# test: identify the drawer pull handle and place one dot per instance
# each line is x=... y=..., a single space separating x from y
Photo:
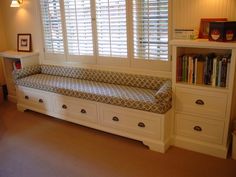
x=64 y=106
x=26 y=97
x=40 y=100
x=197 y=128
x=199 y=102
x=83 y=111
x=116 y=119
x=141 y=124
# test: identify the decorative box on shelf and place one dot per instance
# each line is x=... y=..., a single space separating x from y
x=222 y=31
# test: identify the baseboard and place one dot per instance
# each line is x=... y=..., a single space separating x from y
x=205 y=148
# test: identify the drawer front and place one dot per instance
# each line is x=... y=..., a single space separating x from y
x=201 y=102
x=34 y=98
x=197 y=128
x=131 y=122
x=76 y=108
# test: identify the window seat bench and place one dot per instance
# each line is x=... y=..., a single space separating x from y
x=130 y=105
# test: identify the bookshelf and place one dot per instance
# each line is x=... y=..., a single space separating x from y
x=203 y=77
x=16 y=60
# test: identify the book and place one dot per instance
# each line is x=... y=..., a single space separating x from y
x=223 y=71
x=208 y=68
x=215 y=68
x=190 y=69
x=179 y=69
x=219 y=72
x=228 y=70
x=200 y=70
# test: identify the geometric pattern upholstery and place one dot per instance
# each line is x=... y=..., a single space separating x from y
x=133 y=80
x=92 y=88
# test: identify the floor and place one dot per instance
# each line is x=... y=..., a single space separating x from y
x=36 y=145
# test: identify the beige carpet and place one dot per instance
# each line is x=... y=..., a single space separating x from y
x=35 y=145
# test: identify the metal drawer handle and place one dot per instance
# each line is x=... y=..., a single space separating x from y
x=83 y=111
x=197 y=128
x=64 y=106
x=40 y=100
x=116 y=119
x=199 y=102
x=26 y=97
x=141 y=124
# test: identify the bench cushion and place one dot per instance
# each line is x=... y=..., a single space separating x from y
x=120 y=95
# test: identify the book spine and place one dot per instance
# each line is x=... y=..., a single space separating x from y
x=219 y=73
x=228 y=72
x=213 y=82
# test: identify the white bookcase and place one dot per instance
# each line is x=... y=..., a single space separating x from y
x=9 y=58
x=202 y=113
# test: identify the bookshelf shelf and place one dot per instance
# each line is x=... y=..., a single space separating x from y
x=203 y=94
x=13 y=60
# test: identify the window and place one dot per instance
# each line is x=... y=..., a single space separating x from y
x=79 y=27
x=104 y=28
x=52 y=26
x=150 y=29
x=111 y=28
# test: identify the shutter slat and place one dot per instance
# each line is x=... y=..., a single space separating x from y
x=111 y=28
x=52 y=26
x=150 y=29
x=79 y=27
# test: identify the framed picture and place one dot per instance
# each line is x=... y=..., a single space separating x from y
x=24 y=43
x=204 y=26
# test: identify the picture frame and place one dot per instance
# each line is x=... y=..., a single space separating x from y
x=24 y=43
x=204 y=26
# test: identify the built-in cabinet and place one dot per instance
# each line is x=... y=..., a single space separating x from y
x=152 y=129
x=202 y=109
x=16 y=60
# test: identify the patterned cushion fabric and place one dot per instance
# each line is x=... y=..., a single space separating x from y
x=126 y=96
x=133 y=80
x=165 y=92
x=17 y=74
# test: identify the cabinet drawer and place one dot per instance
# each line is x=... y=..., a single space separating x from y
x=131 y=122
x=197 y=128
x=201 y=102
x=33 y=98
x=75 y=108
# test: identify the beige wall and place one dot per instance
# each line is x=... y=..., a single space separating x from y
x=21 y=20
x=3 y=45
x=187 y=13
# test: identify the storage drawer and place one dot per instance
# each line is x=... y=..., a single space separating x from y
x=33 y=98
x=75 y=108
x=197 y=128
x=201 y=102
x=132 y=122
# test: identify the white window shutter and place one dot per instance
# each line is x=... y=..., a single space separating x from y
x=79 y=27
x=52 y=26
x=111 y=28
x=150 y=29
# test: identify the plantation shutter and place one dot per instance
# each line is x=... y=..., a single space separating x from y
x=52 y=26
x=79 y=27
x=150 y=29
x=111 y=28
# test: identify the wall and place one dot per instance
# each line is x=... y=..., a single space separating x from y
x=21 y=20
x=187 y=13
x=3 y=45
